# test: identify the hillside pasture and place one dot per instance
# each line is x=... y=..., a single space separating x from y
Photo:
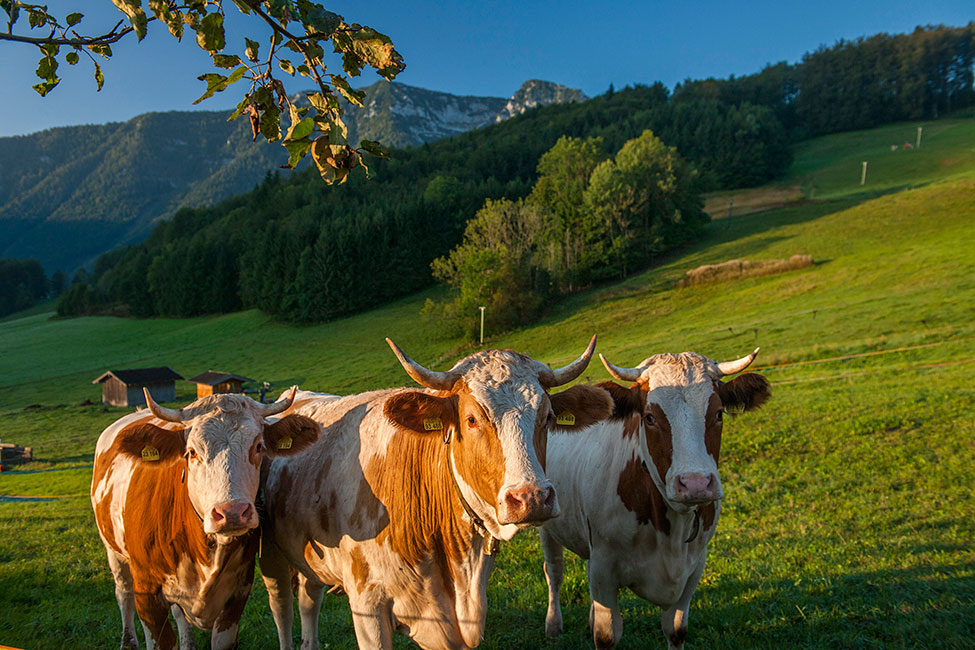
x=849 y=514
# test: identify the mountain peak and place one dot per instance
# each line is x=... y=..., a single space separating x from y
x=536 y=92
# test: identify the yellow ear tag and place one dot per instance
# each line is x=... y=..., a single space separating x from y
x=432 y=424
x=566 y=418
x=150 y=454
x=284 y=443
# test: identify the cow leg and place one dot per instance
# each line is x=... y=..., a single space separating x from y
x=154 y=614
x=276 y=573
x=673 y=620
x=373 y=621
x=224 y=634
x=309 y=606
x=186 y=640
x=126 y=600
x=554 y=572
x=604 y=615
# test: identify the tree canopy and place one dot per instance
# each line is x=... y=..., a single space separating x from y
x=298 y=29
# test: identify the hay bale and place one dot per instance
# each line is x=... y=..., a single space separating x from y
x=737 y=269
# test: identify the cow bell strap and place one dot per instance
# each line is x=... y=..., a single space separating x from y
x=491 y=543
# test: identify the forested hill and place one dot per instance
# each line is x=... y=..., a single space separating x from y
x=69 y=194
x=304 y=251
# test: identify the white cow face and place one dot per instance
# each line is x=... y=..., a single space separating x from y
x=676 y=406
x=221 y=443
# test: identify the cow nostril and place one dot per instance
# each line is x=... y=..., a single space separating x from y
x=516 y=500
x=217 y=515
x=711 y=481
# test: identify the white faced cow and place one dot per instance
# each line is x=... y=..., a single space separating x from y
x=640 y=492
x=404 y=497
x=173 y=493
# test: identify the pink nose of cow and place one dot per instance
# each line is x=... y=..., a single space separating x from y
x=528 y=505
x=695 y=488
x=233 y=516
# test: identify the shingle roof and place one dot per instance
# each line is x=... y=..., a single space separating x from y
x=212 y=378
x=137 y=376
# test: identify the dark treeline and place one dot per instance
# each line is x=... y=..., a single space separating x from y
x=308 y=252
x=23 y=284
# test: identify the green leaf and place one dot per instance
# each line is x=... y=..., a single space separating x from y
x=226 y=60
x=210 y=34
x=73 y=19
x=374 y=148
x=286 y=66
x=297 y=151
x=37 y=18
x=253 y=47
x=317 y=19
x=367 y=46
x=133 y=9
x=322 y=103
x=300 y=129
x=12 y=9
x=104 y=50
x=218 y=83
x=243 y=7
x=351 y=96
x=45 y=87
x=71 y=58
x=99 y=77
x=303 y=70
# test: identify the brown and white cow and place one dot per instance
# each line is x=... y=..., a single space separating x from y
x=173 y=493
x=641 y=493
x=401 y=501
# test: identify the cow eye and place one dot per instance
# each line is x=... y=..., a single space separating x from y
x=260 y=447
x=471 y=421
x=719 y=416
x=649 y=419
x=191 y=453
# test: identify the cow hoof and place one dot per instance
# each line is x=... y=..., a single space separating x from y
x=553 y=628
x=129 y=643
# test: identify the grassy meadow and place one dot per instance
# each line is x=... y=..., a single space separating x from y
x=849 y=515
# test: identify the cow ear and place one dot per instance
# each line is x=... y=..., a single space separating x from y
x=581 y=406
x=290 y=434
x=625 y=400
x=149 y=443
x=745 y=392
x=421 y=412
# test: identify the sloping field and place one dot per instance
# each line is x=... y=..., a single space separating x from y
x=849 y=515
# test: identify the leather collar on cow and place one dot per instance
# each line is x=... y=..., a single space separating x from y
x=491 y=543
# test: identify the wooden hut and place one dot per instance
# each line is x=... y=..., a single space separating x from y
x=124 y=387
x=212 y=382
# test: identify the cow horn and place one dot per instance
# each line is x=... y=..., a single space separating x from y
x=161 y=412
x=559 y=376
x=281 y=405
x=623 y=374
x=424 y=377
x=733 y=367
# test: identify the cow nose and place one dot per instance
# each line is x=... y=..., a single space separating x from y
x=528 y=505
x=233 y=516
x=695 y=488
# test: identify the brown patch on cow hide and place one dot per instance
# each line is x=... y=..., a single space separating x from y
x=103 y=518
x=660 y=441
x=745 y=392
x=302 y=430
x=154 y=614
x=424 y=514
x=712 y=427
x=707 y=513
x=640 y=496
x=477 y=455
x=161 y=526
x=589 y=405
x=540 y=436
x=360 y=568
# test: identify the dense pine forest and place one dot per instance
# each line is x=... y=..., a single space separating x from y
x=305 y=251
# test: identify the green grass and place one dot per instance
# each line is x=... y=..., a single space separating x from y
x=849 y=515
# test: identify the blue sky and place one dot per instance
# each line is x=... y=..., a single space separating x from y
x=476 y=48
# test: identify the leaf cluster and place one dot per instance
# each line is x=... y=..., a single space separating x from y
x=298 y=28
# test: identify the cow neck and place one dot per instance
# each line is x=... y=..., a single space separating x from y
x=697 y=510
x=491 y=543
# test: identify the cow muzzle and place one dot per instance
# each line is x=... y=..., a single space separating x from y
x=528 y=505
x=696 y=489
x=232 y=518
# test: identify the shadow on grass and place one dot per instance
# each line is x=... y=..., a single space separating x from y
x=929 y=606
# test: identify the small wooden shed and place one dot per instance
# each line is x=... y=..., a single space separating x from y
x=124 y=387
x=213 y=381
